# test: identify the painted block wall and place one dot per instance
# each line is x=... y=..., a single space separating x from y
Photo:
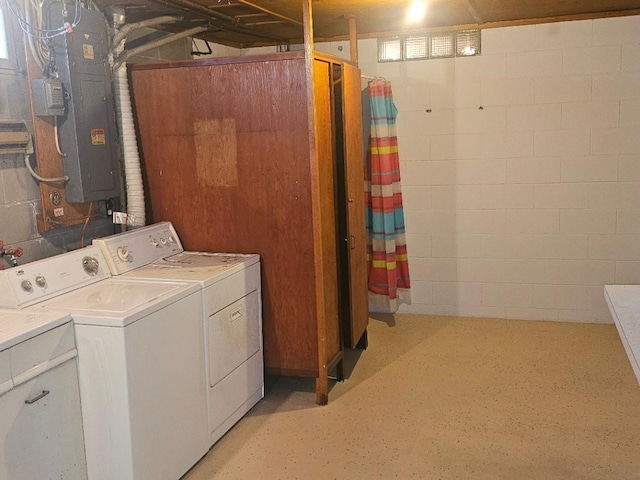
x=522 y=184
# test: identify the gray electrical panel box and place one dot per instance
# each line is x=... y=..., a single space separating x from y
x=88 y=128
x=48 y=97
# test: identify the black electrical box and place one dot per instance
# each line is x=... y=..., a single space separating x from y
x=87 y=130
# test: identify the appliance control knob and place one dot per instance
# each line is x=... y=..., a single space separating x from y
x=163 y=241
x=26 y=286
x=90 y=265
x=154 y=242
x=41 y=281
x=171 y=239
x=123 y=254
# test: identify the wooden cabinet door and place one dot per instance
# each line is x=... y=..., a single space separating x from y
x=354 y=172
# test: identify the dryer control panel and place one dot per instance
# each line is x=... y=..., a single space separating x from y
x=140 y=247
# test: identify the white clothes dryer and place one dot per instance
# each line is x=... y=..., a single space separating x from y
x=232 y=313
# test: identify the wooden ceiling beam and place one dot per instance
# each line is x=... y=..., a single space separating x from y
x=269 y=12
x=353 y=39
x=473 y=10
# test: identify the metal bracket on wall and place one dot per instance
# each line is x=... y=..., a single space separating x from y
x=14 y=137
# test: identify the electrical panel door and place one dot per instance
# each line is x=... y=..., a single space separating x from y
x=88 y=129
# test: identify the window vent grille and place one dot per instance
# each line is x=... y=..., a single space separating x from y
x=462 y=43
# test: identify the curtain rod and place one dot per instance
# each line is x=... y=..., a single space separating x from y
x=369 y=77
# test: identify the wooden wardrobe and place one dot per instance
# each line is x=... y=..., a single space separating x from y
x=241 y=158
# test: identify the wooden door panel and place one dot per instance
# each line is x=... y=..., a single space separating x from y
x=354 y=159
x=329 y=326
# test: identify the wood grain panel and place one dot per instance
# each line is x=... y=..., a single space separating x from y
x=354 y=169
x=268 y=211
x=327 y=205
x=216 y=148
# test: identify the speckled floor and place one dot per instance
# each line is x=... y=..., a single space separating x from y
x=450 y=398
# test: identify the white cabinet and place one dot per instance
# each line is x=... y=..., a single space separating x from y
x=40 y=421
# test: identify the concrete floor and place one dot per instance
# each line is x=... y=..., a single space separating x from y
x=450 y=398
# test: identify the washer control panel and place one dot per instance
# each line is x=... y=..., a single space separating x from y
x=34 y=282
x=139 y=247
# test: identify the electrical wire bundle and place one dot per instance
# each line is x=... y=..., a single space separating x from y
x=33 y=25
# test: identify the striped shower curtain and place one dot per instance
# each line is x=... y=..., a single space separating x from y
x=388 y=266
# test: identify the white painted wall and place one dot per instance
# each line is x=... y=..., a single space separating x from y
x=525 y=208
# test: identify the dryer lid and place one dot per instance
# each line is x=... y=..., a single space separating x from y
x=203 y=267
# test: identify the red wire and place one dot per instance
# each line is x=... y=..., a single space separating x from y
x=86 y=221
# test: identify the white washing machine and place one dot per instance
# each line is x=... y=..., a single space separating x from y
x=140 y=358
x=232 y=318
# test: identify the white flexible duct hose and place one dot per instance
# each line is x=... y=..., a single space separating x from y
x=133 y=173
x=123 y=57
x=117 y=59
x=129 y=27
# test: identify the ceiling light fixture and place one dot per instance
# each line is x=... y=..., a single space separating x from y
x=417 y=11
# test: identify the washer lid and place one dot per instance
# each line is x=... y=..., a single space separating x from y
x=118 y=301
x=19 y=325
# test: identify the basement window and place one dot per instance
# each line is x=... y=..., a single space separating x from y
x=442 y=45
x=463 y=43
x=7 y=57
x=415 y=47
x=4 y=47
x=467 y=43
x=390 y=49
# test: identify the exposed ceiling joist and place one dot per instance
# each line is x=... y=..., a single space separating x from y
x=240 y=23
x=471 y=6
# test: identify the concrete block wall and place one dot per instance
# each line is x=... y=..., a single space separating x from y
x=522 y=184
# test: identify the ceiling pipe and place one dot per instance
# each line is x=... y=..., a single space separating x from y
x=156 y=43
x=129 y=27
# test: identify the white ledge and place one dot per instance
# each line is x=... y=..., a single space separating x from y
x=624 y=304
